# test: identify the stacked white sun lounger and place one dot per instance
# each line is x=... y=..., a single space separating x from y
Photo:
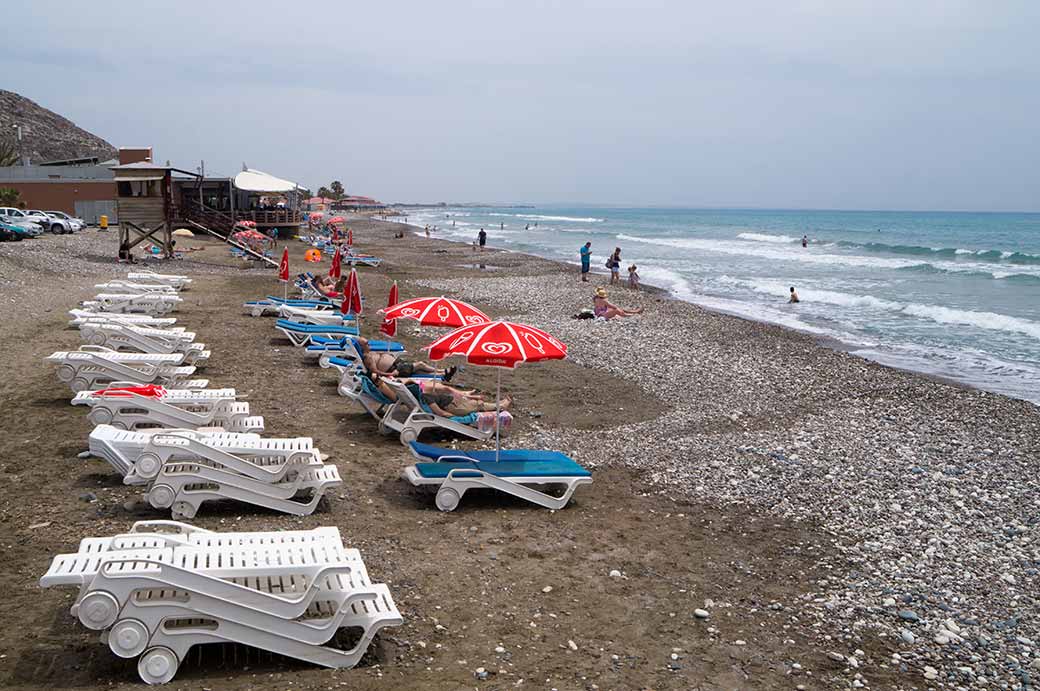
x=154 y=304
x=181 y=469
x=93 y=367
x=174 y=408
x=165 y=587
x=144 y=339
x=134 y=288
x=179 y=282
x=81 y=317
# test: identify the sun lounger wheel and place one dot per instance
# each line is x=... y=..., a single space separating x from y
x=79 y=384
x=98 y=338
x=158 y=665
x=161 y=496
x=128 y=638
x=447 y=499
x=148 y=466
x=66 y=373
x=100 y=416
x=408 y=435
x=97 y=610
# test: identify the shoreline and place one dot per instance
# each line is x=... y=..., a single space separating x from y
x=823 y=340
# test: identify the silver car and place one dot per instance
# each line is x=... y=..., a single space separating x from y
x=48 y=222
x=18 y=218
x=75 y=223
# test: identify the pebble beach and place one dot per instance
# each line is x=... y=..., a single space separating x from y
x=871 y=527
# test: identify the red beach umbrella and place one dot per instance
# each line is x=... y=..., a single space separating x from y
x=351 y=295
x=498 y=344
x=437 y=311
x=335 y=234
x=336 y=269
x=389 y=326
x=337 y=219
x=350 y=236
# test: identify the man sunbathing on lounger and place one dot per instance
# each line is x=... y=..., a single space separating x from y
x=390 y=365
x=444 y=400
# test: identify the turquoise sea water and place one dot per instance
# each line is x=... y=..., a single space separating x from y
x=952 y=294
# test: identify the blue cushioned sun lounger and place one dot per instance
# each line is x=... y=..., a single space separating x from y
x=323 y=345
x=455 y=471
x=301 y=334
x=272 y=305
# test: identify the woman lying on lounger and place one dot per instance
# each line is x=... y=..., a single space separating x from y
x=390 y=365
x=443 y=400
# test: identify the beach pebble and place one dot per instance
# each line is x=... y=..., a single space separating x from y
x=572 y=645
x=614 y=573
x=930 y=673
x=701 y=613
x=907 y=636
x=547 y=589
x=908 y=615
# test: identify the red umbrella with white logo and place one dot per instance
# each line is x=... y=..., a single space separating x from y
x=498 y=344
x=437 y=311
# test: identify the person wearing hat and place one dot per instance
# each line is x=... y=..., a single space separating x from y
x=601 y=307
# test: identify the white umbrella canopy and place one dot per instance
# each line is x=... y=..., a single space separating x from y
x=258 y=181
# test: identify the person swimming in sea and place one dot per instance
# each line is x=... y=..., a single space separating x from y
x=805 y=241
x=794 y=296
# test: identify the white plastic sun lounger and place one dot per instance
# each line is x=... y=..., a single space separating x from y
x=94 y=367
x=409 y=418
x=81 y=317
x=320 y=316
x=151 y=277
x=184 y=409
x=148 y=303
x=129 y=287
x=183 y=469
x=128 y=337
x=288 y=596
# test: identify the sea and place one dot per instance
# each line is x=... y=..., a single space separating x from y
x=950 y=294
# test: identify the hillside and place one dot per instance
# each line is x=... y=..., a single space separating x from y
x=47 y=136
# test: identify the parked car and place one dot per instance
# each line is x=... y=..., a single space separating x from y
x=52 y=223
x=17 y=217
x=19 y=232
x=9 y=233
x=76 y=223
x=47 y=222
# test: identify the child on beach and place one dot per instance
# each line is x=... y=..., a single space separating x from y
x=633 y=277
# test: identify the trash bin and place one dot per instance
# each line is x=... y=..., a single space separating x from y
x=103 y=222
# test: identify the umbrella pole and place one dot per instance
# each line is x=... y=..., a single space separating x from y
x=498 y=397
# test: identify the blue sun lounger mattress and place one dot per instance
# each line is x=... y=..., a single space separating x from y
x=518 y=463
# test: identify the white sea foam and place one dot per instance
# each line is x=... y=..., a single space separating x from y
x=936 y=313
x=775 y=252
x=759 y=237
x=538 y=217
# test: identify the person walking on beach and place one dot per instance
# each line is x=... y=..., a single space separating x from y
x=586 y=261
x=427 y=232
x=794 y=296
x=481 y=239
x=805 y=241
x=614 y=264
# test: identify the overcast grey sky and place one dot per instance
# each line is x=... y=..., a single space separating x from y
x=823 y=104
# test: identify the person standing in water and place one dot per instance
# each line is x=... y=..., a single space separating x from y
x=481 y=239
x=805 y=241
x=586 y=261
x=794 y=296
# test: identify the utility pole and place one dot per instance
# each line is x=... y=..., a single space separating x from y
x=25 y=159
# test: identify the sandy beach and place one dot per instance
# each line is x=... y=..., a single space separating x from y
x=842 y=524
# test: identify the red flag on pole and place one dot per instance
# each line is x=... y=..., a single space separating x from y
x=350 y=236
x=389 y=326
x=283 y=268
x=337 y=261
x=351 y=295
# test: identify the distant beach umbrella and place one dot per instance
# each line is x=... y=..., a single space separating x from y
x=498 y=344
x=389 y=326
x=183 y=233
x=351 y=295
x=437 y=311
x=337 y=219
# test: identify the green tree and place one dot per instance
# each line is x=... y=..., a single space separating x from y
x=9 y=196
x=9 y=155
x=324 y=192
x=337 y=189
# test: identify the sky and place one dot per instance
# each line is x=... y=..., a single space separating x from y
x=797 y=104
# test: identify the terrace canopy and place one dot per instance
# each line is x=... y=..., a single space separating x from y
x=257 y=181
